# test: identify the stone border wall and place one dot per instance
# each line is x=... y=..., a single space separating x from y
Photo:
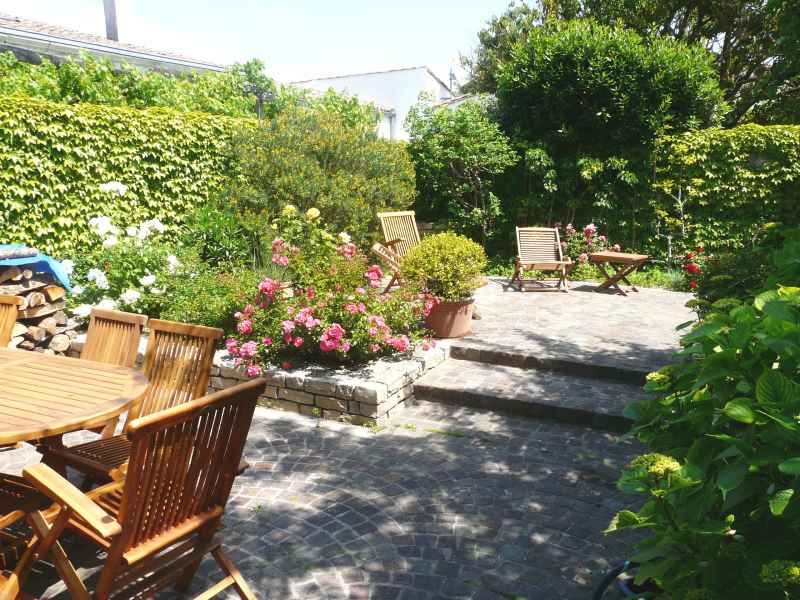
x=370 y=394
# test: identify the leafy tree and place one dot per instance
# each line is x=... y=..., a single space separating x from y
x=754 y=42
x=457 y=153
x=586 y=103
x=313 y=156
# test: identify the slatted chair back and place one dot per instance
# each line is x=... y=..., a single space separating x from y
x=177 y=363
x=113 y=337
x=179 y=477
x=538 y=245
x=8 y=316
x=400 y=230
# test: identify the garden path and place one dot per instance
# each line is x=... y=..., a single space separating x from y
x=447 y=503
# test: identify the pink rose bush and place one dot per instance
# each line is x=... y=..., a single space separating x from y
x=578 y=245
x=333 y=310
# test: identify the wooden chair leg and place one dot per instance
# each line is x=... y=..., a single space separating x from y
x=515 y=277
x=239 y=584
x=49 y=545
x=392 y=281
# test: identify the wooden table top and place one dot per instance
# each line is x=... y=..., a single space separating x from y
x=42 y=395
x=607 y=256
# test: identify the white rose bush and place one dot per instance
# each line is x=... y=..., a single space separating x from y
x=129 y=268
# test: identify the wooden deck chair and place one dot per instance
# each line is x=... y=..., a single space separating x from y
x=157 y=524
x=539 y=248
x=113 y=337
x=400 y=234
x=8 y=316
x=178 y=364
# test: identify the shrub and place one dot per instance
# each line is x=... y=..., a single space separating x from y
x=54 y=158
x=447 y=265
x=720 y=187
x=721 y=485
x=214 y=231
x=316 y=157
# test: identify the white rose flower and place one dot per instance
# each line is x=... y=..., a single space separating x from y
x=102 y=226
x=107 y=304
x=94 y=274
x=132 y=231
x=130 y=297
x=172 y=264
x=344 y=237
x=68 y=266
x=77 y=290
x=110 y=242
x=82 y=311
x=147 y=280
x=114 y=187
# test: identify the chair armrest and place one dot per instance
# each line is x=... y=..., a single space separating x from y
x=395 y=242
x=67 y=495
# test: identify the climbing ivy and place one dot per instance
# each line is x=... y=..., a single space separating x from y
x=54 y=157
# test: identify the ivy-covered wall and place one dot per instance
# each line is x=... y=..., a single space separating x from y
x=54 y=157
x=730 y=182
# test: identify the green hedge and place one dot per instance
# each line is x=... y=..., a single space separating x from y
x=732 y=182
x=54 y=157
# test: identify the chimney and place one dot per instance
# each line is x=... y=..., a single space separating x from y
x=111 y=20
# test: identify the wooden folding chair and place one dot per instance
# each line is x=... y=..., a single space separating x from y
x=157 y=524
x=178 y=364
x=8 y=316
x=539 y=248
x=401 y=234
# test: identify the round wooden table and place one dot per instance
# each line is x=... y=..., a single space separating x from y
x=43 y=396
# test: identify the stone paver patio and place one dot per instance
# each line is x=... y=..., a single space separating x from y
x=446 y=503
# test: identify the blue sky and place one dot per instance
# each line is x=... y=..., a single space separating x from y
x=297 y=39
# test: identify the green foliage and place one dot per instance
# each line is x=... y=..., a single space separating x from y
x=721 y=187
x=54 y=157
x=216 y=235
x=586 y=104
x=725 y=520
x=97 y=81
x=457 y=153
x=447 y=265
x=316 y=157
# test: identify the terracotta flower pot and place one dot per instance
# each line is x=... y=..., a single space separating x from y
x=451 y=319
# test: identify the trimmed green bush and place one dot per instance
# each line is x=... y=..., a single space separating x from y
x=447 y=265
x=54 y=157
x=730 y=183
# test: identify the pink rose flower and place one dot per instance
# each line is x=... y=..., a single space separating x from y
x=280 y=259
x=253 y=371
x=298 y=341
x=245 y=327
x=374 y=274
x=327 y=345
x=267 y=341
x=248 y=350
x=232 y=346
x=583 y=258
x=616 y=248
x=288 y=326
x=347 y=250
x=375 y=347
x=360 y=291
x=311 y=293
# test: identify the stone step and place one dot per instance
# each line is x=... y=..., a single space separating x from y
x=628 y=369
x=596 y=403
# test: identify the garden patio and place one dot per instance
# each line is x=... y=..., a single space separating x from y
x=449 y=501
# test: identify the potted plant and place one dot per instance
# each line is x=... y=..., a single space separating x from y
x=447 y=266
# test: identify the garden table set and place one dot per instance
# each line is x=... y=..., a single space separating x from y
x=156 y=492
x=621 y=264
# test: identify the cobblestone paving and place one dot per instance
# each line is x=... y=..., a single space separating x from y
x=447 y=502
x=636 y=332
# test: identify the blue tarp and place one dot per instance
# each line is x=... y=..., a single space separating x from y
x=41 y=263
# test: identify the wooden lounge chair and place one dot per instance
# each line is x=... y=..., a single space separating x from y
x=159 y=522
x=178 y=364
x=539 y=248
x=401 y=234
x=8 y=316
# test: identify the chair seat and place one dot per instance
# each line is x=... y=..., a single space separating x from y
x=17 y=498
x=97 y=457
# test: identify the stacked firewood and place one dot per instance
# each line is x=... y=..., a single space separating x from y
x=42 y=324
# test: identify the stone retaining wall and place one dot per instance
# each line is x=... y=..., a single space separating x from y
x=365 y=395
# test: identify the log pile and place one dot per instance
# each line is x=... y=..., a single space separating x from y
x=42 y=324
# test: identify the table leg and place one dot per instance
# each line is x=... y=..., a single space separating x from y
x=611 y=280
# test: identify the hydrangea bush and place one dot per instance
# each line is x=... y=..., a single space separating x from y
x=331 y=311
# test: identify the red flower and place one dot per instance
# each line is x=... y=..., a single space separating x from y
x=286 y=365
x=693 y=268
x=693 y=284
x=689 y=255
x=700 y=249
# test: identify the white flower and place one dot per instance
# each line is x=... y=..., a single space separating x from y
x=99 y=278
x=130 y=297
x=68 y=266
x=155 y=225
x=114 y=187
x=77 y=290
x=144 y=232
x=172 y=264
x=107 y=304
x=156 y=291
x=82 y=311
x=110 y=242
x=132 y=231
x=147 y=280
x=344 y=237
x=102 y=226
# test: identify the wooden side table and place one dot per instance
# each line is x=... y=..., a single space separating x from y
x=622 y=264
